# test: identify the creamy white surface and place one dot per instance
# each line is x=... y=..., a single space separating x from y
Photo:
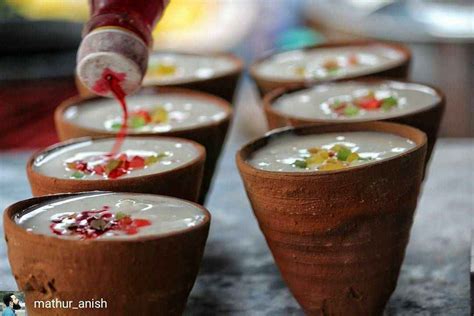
x=280 y=153
x=165 y=213
x=183 y=112
x=52 y=163
x=372 y=58
x=188 y=67
x=314 y=103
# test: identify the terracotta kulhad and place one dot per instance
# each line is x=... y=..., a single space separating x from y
x=338 y=237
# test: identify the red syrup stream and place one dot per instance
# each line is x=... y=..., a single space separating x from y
x=110 y=81
x=114 y=85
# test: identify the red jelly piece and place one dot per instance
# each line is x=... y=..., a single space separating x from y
x=116 y=173
x=340 y=108
x=369 y=103
x=145 y=115
x=54 y=230
x=125 y=221
x=122 y=157
x=131 y=230
x=81 y=166
x=126 y=165
x=137 y=162
x=141 y=222
x=99 y=170
x=353 y=59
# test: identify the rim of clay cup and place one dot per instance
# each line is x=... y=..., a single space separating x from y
x=238 y=67
x=271 y=97
x=200 y=157
x=407 y=56
x=417 y=136
x=148 y=90
x=21 y=206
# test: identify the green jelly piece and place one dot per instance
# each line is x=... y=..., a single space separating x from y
x=333 y=71
x=388 y=103
x=117 y=125
x=335 y=104
x=78 y=175
x=300 y=164
x=120 y=215
x=111 y=165
x=137 y=122
x=151 y=160
x=351 y=110
x=154 y=159
x=343 y=153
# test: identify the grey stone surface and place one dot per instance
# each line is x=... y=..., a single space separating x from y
x=238 y=276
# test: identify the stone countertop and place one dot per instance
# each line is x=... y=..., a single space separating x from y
x=238 y=275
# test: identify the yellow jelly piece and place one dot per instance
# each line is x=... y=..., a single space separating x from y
x=315 y=159
x=332 y=164
x=154 y=159
x=151 y=160
x=339 y=147
x=159 y=115
x=112 y=165
x=324 y=154
x=314 y=150
x=336 y=148
x=352 y=157
x=300 y=71
x=163 y=69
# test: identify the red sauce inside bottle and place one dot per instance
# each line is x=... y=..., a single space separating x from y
x=137 y=16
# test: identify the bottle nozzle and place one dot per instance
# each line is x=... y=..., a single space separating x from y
x=112 y=51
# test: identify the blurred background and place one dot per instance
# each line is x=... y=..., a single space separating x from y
x=39 y=40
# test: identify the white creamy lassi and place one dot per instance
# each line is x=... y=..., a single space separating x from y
x=175 y=68
x=91 y=160
x=356 y=101
x=147 y=113
x=324 y=152
x=110 y=216
x=329 y=63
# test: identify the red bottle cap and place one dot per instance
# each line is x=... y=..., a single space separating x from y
x=112 y=50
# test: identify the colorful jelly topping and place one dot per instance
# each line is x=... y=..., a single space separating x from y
x=165 y=68
x=324 y=152
x=110 y=216
x=147 y=113
x=328 y=67
x=321 y=63
x=142 y=117
x=161 y=69
x=109 y=166
x=140 y=156
x=356 y=100
x=368 y=102
x=94 y=223
x=337 y=157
